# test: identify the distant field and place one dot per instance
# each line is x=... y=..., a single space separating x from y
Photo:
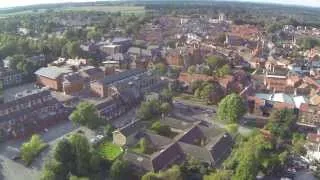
x=111 y=9
x=138 y=10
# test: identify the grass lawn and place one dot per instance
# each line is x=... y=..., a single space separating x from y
x=110 y=151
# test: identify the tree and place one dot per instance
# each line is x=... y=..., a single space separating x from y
x=120 y=170
x=192 y=69
x=232 y=128
x=195 y=85
x=94 y=35
x=14 y=61
x=107 y=130
x=224 y=70
x=148 y=109
x=86 y=114
x=231 y=108
x=78 y=178
x=81 y=151
x=298 y=142
x=32 y=148
x=54 y=170
x=160 y=129
x=63 y=153
x=73 y=49
x=144 y=146
x=165 y=108
x=160 y=68
x=280 y=123
x=219 y=175
x=215 y=62
x=206 y=91
x=173 y=173
x=166 y=95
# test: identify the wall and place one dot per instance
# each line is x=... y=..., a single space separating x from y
x=51 y=83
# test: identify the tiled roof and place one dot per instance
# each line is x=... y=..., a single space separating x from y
x=120 y=76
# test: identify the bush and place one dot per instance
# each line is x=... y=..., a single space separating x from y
x=31 y=149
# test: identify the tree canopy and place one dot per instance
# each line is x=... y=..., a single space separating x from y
x=231 y=108
x=86 y=114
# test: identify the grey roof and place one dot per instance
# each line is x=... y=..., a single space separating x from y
x=52 y=72
x=200 y=153
x=176 y=123
x=120 y=76
x=132 y=128
x=156 y=140
x=139 y=160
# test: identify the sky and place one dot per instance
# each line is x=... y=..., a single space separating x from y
x=12 y=3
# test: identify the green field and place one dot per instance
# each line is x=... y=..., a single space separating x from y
x=110 y=151
x=138 y=10
x=111 y=9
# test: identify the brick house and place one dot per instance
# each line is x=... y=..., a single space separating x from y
x=133 y=78
x=174 y=58
x=309 y=115
x=51 y=77
x=31 y=112
x=114 y=106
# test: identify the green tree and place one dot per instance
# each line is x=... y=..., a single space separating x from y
x=219 y=175
x=78 y=178
x=165 y=108
x=192 y=69
x=166 y=95
x=224 y=70
x=54 y=170
x=195 y=85
x=148 y=110
x=81 y=151
x=144 y=146
x=63 y=153
x=120 y=170
x=73 y=49
x=160 y=129
x=32 y=148
x=86 y=114
x=215 y=62
x=94 y=35
x=160 y=68
x=173 y=173
x=298 y=142
x=231 y=108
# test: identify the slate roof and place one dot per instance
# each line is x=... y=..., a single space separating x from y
x=52 y=72
x=132 y=128
x=120 y=76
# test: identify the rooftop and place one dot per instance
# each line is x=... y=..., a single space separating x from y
x=53 y=72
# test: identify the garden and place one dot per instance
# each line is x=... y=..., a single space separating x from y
x=109 y=151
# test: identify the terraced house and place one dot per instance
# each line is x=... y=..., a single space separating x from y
x=31 y=112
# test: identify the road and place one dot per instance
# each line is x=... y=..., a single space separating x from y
x=193 y=112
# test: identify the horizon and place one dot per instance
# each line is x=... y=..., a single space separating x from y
x=18 y=3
